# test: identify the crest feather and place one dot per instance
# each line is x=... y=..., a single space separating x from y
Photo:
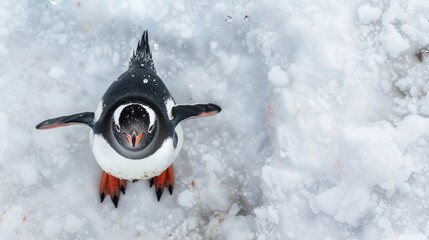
x=142 y=57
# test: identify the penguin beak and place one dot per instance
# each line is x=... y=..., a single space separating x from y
x=134 y=138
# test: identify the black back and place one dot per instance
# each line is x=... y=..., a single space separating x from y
x=139 y=84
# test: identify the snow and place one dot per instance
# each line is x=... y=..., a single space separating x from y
x=72 y=224
x=393 y=42
x=323 y=133
x=51 y=228
x=4 y=131
x=407 y=237
x=56 y=72
x=185 y=198
x=277 y=76
x=368 y=14
x=28 y=175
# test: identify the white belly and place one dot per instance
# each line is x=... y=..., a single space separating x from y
x=124 y=168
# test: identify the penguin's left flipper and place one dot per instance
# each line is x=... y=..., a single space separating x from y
x=86 y=118
x=183 y=112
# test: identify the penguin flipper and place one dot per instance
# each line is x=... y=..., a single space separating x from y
x=182 y=112
x=78 y=118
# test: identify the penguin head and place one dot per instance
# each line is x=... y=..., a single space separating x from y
x=134 y=125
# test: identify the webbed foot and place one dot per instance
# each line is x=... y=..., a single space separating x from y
x=111 y=186
x=164 y=180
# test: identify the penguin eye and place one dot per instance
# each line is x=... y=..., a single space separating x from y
x=117 y=128
x=151 y=128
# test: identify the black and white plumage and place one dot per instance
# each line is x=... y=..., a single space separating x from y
x=135 y=131
x=142 y=57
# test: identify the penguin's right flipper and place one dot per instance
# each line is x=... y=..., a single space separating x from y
x=78 y=118
x=183 y=112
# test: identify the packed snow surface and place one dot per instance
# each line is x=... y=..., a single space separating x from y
x=323 y=134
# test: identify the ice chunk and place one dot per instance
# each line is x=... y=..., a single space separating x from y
x=393 y=42
x=348 y=203
x=329 y=201
x=277 y=76
x=51 y=228
x=186 y=198
x=272 y=177
x=355 y=205
x=372 y=154
x=368 y=14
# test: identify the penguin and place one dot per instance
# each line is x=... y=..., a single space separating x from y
x=135 y=132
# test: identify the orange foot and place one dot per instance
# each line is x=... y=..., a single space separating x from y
x=112 y=186
x=165 y=179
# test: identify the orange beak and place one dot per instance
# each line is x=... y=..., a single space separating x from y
x=134 y=138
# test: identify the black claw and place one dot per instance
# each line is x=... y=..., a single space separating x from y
x=102 y=195
x=135 y=180
x=170 y=189
x=159 y=193
x=115 y=200
x=123 y=189
x=151 y=182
